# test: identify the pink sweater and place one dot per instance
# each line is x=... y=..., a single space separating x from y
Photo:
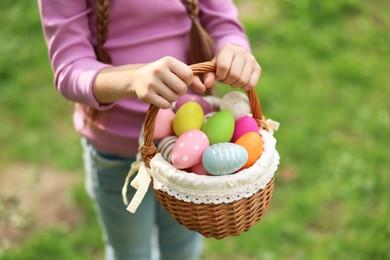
x=140 y=31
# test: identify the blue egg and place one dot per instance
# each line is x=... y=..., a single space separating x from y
x=224 y=158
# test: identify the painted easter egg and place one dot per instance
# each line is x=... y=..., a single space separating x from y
x=189 y=116
x=253 y=144
x=219 y=127
x=165 y=147
x=207 y=108
x=224 y=158
x=189 y=148
x=163 y=125
x=199 y=169
x=237 y=102
x=207 y=116
x=244 y=125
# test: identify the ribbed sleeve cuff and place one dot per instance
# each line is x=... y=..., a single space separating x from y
x=82 y=78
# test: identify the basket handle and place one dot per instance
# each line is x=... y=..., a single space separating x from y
x=148 y=150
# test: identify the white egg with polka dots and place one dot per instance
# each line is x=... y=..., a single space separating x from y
x=189 y=148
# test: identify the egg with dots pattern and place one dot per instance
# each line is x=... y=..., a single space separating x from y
x=189 y=148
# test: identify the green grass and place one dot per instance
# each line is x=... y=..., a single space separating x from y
x=36 y=121
x=64 y=243
x=324 y=78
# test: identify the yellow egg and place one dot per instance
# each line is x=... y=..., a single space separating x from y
x=189 y=116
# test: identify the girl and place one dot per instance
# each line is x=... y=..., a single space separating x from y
x=113 y=58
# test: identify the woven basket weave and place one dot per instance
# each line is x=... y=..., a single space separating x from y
x=211 y=220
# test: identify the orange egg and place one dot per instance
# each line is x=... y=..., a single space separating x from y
x=253 y=144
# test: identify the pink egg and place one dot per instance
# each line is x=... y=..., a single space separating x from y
x=244 y=125
x=189 y=148
x=163 y=126
x=207 y=108
x=199 y=169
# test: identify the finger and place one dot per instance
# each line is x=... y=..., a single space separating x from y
x=154 y=98
x=161 y=102
x=209 y=79
x=198 y=85
x=224 y=60
x=165 y=91
x=182 y=70
x=235 y=69
x=244 y=79
x=254 y=79
x=175 y=83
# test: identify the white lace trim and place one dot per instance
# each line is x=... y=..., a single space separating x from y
x=191 y=187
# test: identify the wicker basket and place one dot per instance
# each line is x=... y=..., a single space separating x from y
x=211 y=220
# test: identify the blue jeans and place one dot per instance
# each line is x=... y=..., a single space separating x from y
x=149 y=233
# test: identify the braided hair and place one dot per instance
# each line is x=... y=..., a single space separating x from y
x=102 y=19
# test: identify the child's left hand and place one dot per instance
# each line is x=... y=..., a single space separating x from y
x=236 y=67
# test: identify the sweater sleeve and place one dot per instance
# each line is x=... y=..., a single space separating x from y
x=220 y=19
x=72 y=56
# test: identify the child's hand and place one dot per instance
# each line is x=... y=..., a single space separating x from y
x=159 y=83
x=235 y=67
x=162 y=82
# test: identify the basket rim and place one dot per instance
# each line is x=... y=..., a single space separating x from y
x=196 y=188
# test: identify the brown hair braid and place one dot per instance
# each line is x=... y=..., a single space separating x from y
x=102 y=19
x=201 y=44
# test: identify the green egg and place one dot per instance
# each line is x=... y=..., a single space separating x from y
x=189 y=116
x=220 y=127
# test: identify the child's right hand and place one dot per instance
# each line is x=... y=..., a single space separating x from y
x=159 y=83
x=163 y=81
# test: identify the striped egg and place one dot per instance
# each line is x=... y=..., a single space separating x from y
x=224 y=158
x=165 y=147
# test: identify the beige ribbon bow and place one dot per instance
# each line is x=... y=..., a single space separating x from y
x=272 y=125
x=141 y=183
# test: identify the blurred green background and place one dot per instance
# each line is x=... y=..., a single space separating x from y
x=325 y=75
